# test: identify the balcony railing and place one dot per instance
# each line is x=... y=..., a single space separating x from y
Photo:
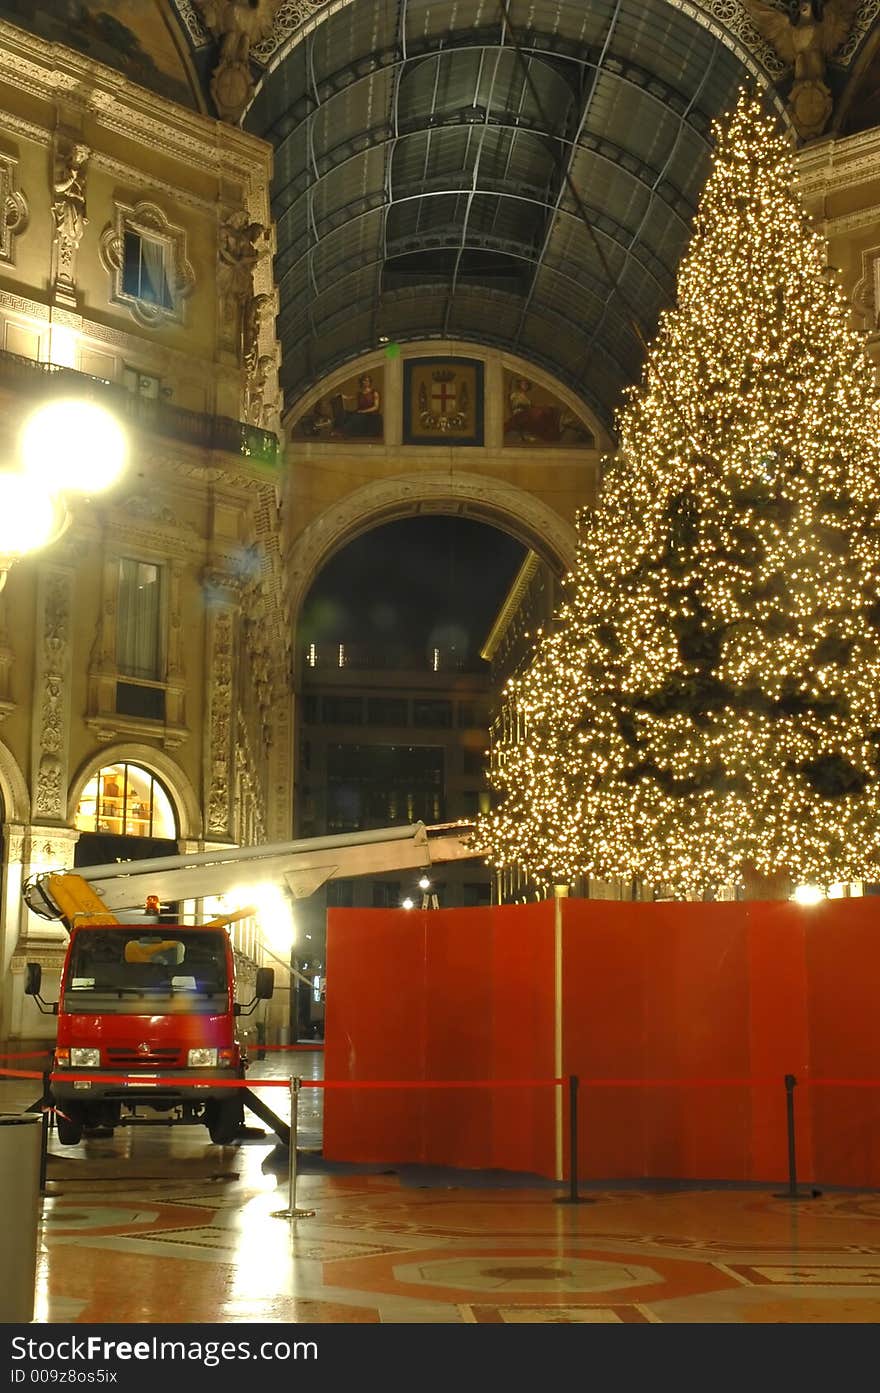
x=192 y=427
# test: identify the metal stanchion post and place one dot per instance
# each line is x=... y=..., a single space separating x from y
x=793 y=1193
x=291 y=1212
x=573 y=1197
x=44 y=1136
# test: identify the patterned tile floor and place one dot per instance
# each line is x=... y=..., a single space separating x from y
x=155 y=1224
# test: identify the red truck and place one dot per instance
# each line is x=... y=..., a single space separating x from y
x=156 y=1003
x=147 y=1010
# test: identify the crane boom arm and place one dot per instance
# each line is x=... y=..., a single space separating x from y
x=303 y=866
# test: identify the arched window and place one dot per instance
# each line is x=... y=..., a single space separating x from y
x=124 y=800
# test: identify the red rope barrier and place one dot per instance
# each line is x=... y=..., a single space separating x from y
x=838 y=1083
x=28 y=1054
x=431 y=1083
x=147 y=1080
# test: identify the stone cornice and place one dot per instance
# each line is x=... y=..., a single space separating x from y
x=53 y=72
x=845 y=163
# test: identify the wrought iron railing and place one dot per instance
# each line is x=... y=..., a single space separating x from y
x=192 y=427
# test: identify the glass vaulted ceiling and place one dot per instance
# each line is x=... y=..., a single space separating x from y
x=421 y=178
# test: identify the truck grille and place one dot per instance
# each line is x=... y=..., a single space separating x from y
x=134 y=1059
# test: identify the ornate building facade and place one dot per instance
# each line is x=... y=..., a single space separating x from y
x=144 y=657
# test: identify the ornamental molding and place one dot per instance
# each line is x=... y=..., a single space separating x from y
x=31 y=309
x=154 y=541
x=16 y=795
x=51 y=707
x=866 y=292
x=147 y=220
x=865 y=17
x=45 y=70
x=219 y=726
x=192 y=22
x=165 y=768
x=538 y=526
x=838 y=164
x=150 y=508
x=853 y=222
x=130 y=174
x=13 y=209
x=110 y=726
x=727 y=20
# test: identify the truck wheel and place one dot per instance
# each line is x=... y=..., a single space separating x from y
x=70 y=1128
x=224 y=1121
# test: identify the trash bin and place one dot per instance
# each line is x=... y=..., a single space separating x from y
x=20 y=1138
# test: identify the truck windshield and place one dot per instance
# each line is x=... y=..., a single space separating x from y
x=141 y=971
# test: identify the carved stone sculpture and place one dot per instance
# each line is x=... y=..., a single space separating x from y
x=68 y=208
x=256 y=311
x=241 y=244
x=805 y=35
x=259 y=407
x=238 y=25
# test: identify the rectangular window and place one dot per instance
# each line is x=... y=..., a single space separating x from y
x=386 y=894
x=134 y=700
x=340 y=893
x=342 y=711
x=475 y=892
x=138 y=627
x=310 y=710
x=473 y=761
x=386 y=711
x=432 y=714
x=144 y=274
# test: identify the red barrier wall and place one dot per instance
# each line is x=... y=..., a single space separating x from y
x=440 y=994
x=650 y=991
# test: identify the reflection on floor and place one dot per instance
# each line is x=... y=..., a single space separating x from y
x=156 y=1224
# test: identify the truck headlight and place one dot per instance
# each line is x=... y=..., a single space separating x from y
x=82 y=1058
x=202 y=1059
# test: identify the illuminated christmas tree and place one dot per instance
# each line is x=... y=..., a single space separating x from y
x=710 y=696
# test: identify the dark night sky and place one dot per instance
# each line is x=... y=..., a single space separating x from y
x=420 y=583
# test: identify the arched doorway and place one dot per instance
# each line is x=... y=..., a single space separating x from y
x=123 y=813
x=395 y=707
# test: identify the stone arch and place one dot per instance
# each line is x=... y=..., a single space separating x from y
x=477 y=496
x=186 y=804
x=13 y=789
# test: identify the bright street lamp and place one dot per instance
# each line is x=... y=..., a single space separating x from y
x=64 y=447
x=73 y=446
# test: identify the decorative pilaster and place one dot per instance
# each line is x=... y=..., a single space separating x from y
x=34 y=849
x=219 y=732
x=175 y=669
x=7 y=658
x=51 y=700
x=280 y=753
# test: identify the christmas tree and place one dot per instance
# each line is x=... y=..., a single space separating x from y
x=709 y=697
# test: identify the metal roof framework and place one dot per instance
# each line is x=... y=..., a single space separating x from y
x=424 y=152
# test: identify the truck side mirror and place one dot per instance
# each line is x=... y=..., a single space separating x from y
x=33 y=980
x=265 y=983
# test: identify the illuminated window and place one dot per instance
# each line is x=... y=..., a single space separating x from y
x=138 y=624
x=144 y=270
x=124 y=800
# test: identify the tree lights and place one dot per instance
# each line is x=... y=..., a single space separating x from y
x=710 y=692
